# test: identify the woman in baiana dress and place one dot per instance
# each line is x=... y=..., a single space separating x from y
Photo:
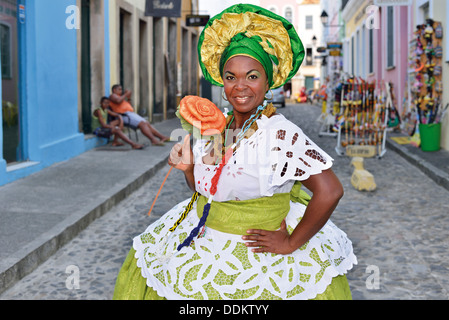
x=249 y=231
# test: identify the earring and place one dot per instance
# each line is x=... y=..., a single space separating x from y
x=272 y=95
x=223 y=96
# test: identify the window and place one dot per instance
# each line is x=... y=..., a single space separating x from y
x=425 y=11
x=346 y=57
x=358 y=55
x=371 y=51
x=446 y=38
x=309 y=22
x=364 y=49
x=390 y=37
x=288 y=14
x=5 y=50
x=309 y=57
x=309 y=83
x=352 y=55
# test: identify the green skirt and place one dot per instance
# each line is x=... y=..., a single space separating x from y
x=130 y=285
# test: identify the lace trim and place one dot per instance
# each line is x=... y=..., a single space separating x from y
x=292 y=155
x=219 y=266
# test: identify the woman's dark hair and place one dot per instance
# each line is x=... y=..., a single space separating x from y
x=103 y=98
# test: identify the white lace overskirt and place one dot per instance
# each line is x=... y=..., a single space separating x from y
x=218 y=265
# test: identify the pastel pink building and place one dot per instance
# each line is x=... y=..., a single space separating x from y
x=392 y=60
x=376 y=44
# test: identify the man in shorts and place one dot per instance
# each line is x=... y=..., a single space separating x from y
x=120 y=103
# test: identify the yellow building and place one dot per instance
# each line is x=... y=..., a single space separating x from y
x=356 y=40
x=146 y=57
x=154 y=57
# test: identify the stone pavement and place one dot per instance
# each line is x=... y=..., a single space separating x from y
x=399 y=231
x=434 y=164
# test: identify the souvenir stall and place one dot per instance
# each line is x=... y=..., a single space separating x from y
x=359 y=113
x=364 y=119
x=426 y=89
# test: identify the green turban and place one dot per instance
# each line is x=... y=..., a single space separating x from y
x=242 y=45
x=250 y=30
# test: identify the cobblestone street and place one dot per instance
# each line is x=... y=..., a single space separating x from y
x=399 y=232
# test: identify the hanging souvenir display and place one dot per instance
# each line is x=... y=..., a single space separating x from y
x=426 y=76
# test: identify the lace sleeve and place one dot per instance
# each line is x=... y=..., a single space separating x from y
x=289 y=153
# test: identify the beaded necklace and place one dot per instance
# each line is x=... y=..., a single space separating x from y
x=248 y=129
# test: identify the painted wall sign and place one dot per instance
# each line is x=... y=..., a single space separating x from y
x=163 y=8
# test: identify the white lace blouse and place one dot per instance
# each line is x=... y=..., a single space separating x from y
x=269 y=162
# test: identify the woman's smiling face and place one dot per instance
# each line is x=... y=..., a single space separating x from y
x=245 y=83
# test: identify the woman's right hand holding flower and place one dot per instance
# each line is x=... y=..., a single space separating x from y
x=181 y=156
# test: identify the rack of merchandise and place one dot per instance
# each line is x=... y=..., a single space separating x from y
x=365 y=115
x=426 y=72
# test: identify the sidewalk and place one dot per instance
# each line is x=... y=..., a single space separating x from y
x=42 y=212
x=434 y=164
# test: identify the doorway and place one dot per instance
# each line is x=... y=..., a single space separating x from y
x=171 y=79
x=86 y=89
x=144 y=101
x=159 y=68
x=9 y=49
x=126 y=54
x=310 y=83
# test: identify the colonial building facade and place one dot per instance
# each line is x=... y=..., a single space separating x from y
x=59 y=57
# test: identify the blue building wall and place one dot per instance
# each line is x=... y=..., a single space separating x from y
x=48 y=90
x=52 y=103
x=2 y=161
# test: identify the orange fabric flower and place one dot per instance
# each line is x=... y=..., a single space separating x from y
x=202 y=114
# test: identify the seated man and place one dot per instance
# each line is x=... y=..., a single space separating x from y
x=120 y=104
x=101 y=128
